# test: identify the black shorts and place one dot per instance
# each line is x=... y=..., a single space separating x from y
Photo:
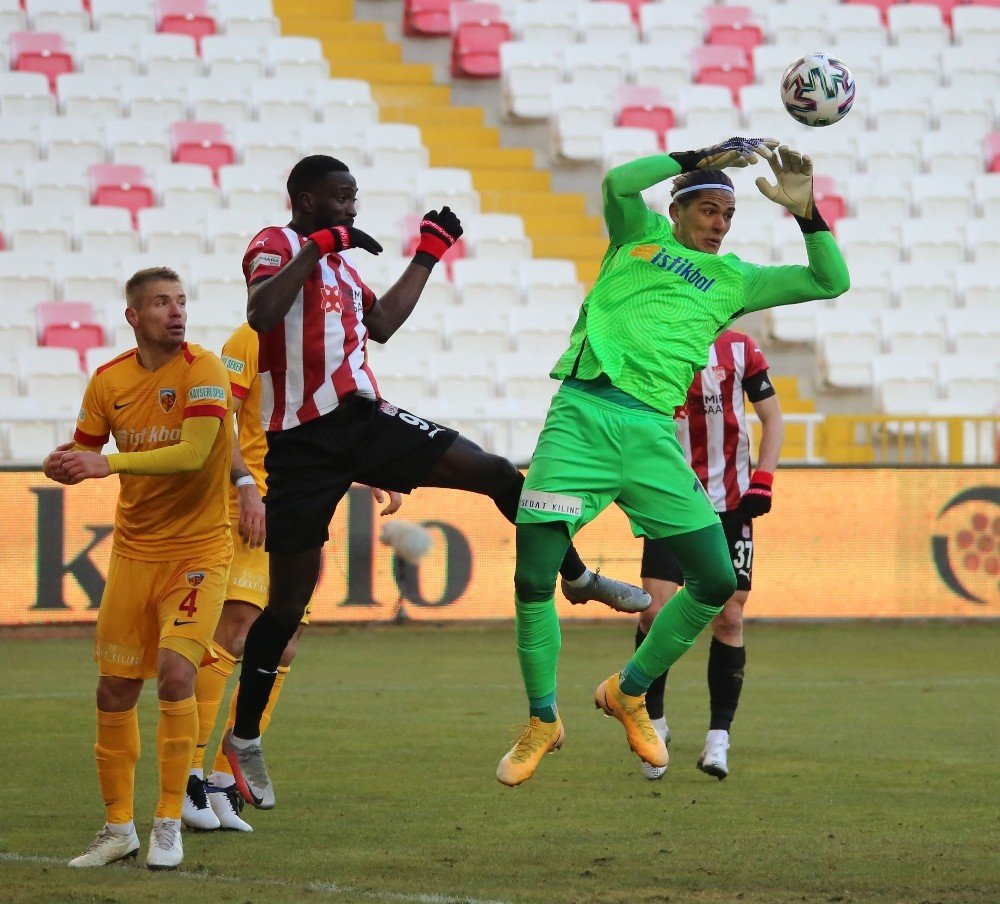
x=661 y=564
x=311 y=467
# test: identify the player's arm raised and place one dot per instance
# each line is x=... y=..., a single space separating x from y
x=439 y=231
x=625 y=212
x=825 y=275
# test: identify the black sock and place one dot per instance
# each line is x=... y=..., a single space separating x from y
x=725 y=681
x=572 y=566
x=655 y=692
x=266 y=641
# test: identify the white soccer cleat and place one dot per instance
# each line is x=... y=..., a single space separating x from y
x=196 y=812
x=713 y=758
x=657 y=772
x=108 y=847
x=227 y=804
x=165 y=848
x=617 y=595
x=249 y=772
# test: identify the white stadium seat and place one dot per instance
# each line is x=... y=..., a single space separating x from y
x=247 y=18
x=528 y=71
x=139 y=140
x=104 y=230
x=606 y=25
x=497 y=236
x=438 y=186
x=56 y=185
x=238 y=58
x=553 y=22
x=297 y=58
x=976 y=28
x=108 y=55
x=917 y=26
x=122 y=16
x=486 y=284
x=66 y=17
x=171 y=56
x=25 y=95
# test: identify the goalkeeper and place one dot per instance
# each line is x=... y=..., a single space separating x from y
x=661 y=297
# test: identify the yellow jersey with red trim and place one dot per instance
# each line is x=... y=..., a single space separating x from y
x=167 y=517
x=240 y=355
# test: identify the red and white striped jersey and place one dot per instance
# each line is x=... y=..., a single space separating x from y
x=712 y=426
x=317 y=356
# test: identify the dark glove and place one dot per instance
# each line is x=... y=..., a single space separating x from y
x=439 y=230
x=732 y=152
x=339 y=238
x=756 y=501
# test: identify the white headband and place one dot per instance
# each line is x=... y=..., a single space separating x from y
x=684 y=191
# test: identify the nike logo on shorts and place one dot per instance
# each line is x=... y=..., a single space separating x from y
x=119 y=405
x=178 y=624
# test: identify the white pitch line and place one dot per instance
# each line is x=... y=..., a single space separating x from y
x=330 y=888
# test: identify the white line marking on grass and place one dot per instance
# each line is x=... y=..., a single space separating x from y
x=330 y=888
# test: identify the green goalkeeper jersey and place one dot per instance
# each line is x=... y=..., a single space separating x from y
x=657 y=306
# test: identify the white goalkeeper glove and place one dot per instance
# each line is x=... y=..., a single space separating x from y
x=735 y=152
x=794 y=189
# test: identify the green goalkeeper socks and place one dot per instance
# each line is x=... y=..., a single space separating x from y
x=539 y=640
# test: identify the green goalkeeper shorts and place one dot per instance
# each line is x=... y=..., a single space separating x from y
x=592 y=452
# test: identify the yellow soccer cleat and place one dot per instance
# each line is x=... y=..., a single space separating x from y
x=631 y=712
x=537 y=739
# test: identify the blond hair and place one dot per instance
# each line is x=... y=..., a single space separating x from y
x=141 y=278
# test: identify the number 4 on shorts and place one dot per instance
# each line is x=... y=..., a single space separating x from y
x=188 y=603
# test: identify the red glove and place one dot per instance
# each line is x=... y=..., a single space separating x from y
x=338 y=238
x=439 y=230
x=756 y=501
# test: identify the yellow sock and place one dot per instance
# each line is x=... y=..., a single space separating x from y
x=221 y=764
x=175 y=740
x=116 y=753
x=272 y=701
x=209 y=687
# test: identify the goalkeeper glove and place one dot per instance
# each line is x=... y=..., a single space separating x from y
x=439 y=230
x=338 y=238
x=736 y=152
x=794 y=190
x=756 y=500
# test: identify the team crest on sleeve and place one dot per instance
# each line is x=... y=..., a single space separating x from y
x=82 y=416
x=168 y=397
x=389 y=409
x=194 y=578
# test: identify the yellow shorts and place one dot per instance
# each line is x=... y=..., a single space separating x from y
x=148 y=606
x=248 y=577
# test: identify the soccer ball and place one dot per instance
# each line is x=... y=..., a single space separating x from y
x=817 y=89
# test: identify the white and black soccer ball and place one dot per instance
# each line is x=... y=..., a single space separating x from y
x=817 y=89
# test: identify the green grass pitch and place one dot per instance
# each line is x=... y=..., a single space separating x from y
x=863 y=770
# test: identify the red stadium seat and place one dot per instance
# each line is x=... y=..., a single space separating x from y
x=39 y=51
x=185 y=17
x=465 y=13
x=120 y=185
x=993 y=152
x=995 y=3
x=201 y=142
x=644 y=108
x=732 y=25
x=69 y=324
x=721 y=64
x=427 y=17
x=475 y=50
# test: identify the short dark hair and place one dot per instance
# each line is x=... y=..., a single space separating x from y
x=138 y=281
x=309 y=170
x=697 y=177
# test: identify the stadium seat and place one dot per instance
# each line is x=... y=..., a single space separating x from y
x=976 y=28
x=100 y=355
x=645 y=108
x=889 y=155
x=75 y=142
x=66 y=17
x=247 y=18
x=732 y=25
x=12 y=17
x=924 y=240
x=863 y=242
x=722 y=65
x=987 y=193
x=855 y=25
x=978 y=285
x=547 y=23
x=579 y=120
x=650 y=67
x=88 y=96
x=120 y=185
x=596 y=69
x=954 y=114
x=475 y=49
x=917 y=26
x=902 y=385
x=55 y=185
x=138 y=141
x=551 y=285
x=122 y=17
x=10 y=383
x=281 y=102
x=795 y=31
x=218 y=281
x=943 y=197
x=706 y=108
x=187 y=187
x=203 y=143
x=346 y=103
x=846 y=346
x=662 y=27
x=229 y=231
x=83 y=276
x=19 y=144
x=497 y=236
x=239 y=58
x=915 y=70
x=105 y=230
x=215 y=100
x=186 y=17
x=11 y=189
x=992 y=146
x=169 y=234
x=897 y=110
x=483 y=285
x=254 y=191
x=622 y=145
x=41 y=231
x=918 y=333
x=25 y=95
x=881 y=198
x=942 y=154
x=466 y=11
x=606 y=25
x=25 y=277
x=982 y=238
x=528 y=72
x=297 y=59
x=69 y=324
x=324 y=137
x=974 y=334
x=49 y=373
x=427 y=18
x=169 y=56
x=33 y=427
x=395 y=146
x=445 y=185
x=261 y=144
x=42 y=52
x=153 y=97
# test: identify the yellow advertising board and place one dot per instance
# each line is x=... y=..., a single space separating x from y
x=839 y=543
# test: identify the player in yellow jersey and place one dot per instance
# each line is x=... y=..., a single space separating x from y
x=215 y=803
x=167 y=405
